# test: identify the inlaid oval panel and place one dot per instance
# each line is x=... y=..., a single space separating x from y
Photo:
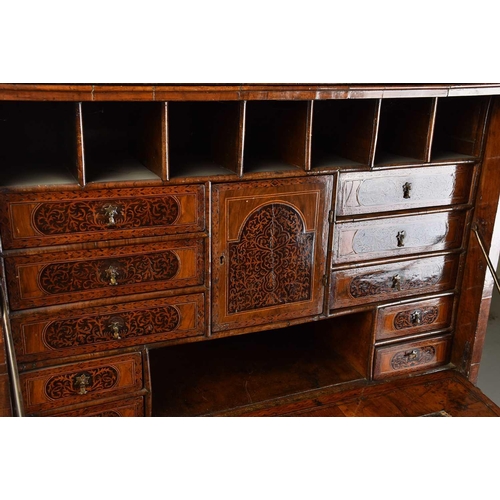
x=36 y=219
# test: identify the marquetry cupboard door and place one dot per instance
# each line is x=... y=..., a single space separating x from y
x=270 y=243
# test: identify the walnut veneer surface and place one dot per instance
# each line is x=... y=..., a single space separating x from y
x=188 y=250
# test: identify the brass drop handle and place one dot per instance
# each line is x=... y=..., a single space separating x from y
x=82 y=381
x=416 y=317
x=396 y=282
x=412 y=354
x=112 y=275
x=406 y=190
x=111 y=211
x=401 y=238
x=115 y=328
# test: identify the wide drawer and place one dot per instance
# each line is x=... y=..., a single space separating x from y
x=363 y=285
x=61 y=277
x=46 y=334
x=411 y=357
x=414 y=318
x=395 y=236
x=130 y=407
x=79 y=382
x=407 y=188
x=36 y=219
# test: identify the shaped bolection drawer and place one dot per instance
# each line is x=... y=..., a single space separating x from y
x=398 y=236
x=36 y=219
x=403 y=189
x=369 y=284
x=409 y=357
x=74 y=383
x=47 y=334
x=402 y=320
x=64 y=277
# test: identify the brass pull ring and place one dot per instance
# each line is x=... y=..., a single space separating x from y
x=112 y=274
x=116 y=325
x=406 y=190
x=401 y=238
x=111 y=211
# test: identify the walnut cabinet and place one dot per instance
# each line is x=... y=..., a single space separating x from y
x=267 y=250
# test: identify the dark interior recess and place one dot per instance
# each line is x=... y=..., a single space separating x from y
x=37 y=143
x=343 y=133
x=404 y=131
x=459 y=128
x=123 y=141
x=204 y=138
x=211 y=377
x=276 y=136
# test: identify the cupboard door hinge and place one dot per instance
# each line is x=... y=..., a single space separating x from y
x=331 y=216
x=325 y=280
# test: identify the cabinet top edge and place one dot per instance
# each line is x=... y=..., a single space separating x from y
x=235 y=92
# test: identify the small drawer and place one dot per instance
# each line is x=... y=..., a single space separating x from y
x=403 y=189
x=364 y=285
x=414 y=318
x=79 y=382
x=5 y=408
x=411 y=357
x=396 y=236
x=62 y=277
x=37 y=219
x=131 y=407
x=45 y=334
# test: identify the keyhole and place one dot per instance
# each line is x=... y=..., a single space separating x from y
x=221 y=260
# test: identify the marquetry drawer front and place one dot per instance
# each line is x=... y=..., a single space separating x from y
x=76 y=216
x=131 y=407
x=79 y=382
x=369 y=192
x=60 y=277
x=413 y=318
x=44 y=335
x=363 y=285
x=411 y=357
x=395 y=236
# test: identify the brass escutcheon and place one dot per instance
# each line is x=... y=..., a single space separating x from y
x=82 y=381
x=111 y=211
x=112 y=274
x=406 y=190
x=401 y=238
x=416 y=317
x=396 y=282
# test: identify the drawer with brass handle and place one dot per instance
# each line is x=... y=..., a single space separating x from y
x=74 y=383
x=129 y=407
x=412 y=318
x=395 y=236
x=411 y=357
x=369 y=284
x=43 y=334
x=403 y=189
x=36 y=219
x=63 y=277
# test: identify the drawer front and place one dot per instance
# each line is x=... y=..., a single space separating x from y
x=363 y=285
x=397 y=236
x=76 y=216
x=414 y=318
x=411 y=357
x=370 y=192
x=61 y=277
x=79 y=382
x=132 y=407
x=5 y=408
x=44 y=335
